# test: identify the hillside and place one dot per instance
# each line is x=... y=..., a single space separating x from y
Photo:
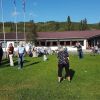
x=45 y=26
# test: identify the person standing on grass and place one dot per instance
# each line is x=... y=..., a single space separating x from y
x=63 y=62
x=10 y=54
x=93 y=50
x=98 y=44
x=45 y=55
x=79 y=50
x=21 y=52
x=1 y=53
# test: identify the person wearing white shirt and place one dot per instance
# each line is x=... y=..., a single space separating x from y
x=21 y=52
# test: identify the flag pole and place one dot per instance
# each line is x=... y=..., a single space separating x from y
x=16 y=21
x=23 y=2
x=24 y=28
x=3 y=24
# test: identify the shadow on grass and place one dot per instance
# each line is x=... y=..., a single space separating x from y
x=16 y=62
x=72 y=72
x=4 y=63
x=33 y=63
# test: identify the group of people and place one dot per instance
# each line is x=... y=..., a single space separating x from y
x=95 y=49
x=62 y=55
x=10 y=52
x=21 y=51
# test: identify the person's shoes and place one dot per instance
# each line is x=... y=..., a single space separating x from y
x=60 y=80
x=69 y=79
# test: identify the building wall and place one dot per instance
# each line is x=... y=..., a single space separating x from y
x=70 y=44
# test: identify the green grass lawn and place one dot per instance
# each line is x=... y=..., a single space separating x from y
x=38 y=80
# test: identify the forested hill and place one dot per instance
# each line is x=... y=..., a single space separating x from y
x=48 y=26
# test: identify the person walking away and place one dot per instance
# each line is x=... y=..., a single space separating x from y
x=63 y=62
x=79 y=49
x=93 y=50
x=10 y=54
x=1 y=53
x=21 y=52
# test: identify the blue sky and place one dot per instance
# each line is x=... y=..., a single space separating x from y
x=52 y=10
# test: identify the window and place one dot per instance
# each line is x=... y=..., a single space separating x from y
x=67 y=43
x=42 y=43
x=81 y=42
x=48 y=43
x=54 y=43
x=74 y=43
x=62 y=43
x=37 y=43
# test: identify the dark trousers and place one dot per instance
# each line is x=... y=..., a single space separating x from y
x=60 y=69
x=21 y=60
x=0 y=59
x=80 y=54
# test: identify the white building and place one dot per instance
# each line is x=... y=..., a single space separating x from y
x=69 y=39
x=53 y=39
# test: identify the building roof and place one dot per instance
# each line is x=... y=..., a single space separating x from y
x=55 y=35
x=68 y=34
x=12 y=36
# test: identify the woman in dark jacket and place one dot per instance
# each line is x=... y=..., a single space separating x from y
x=63 y=62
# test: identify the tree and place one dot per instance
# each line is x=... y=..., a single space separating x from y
x=1 y=29
x=69 y=24
x=81 y=25
x=99 y=25
x=12 y=27
x=31 y=34
x=85 y=26
x=52 y=26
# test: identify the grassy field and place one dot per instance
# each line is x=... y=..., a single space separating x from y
x=38 y=80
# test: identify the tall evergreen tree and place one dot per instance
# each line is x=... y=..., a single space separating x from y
x=69 y=23
x=81 y=25
x=85 y=26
